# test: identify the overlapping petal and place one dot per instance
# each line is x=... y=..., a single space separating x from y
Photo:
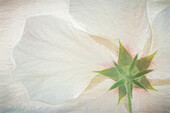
x=113 y=19
x=100 y=100
x=13 y=15
x=154 y=7
x=161 y=40
x=55 y=62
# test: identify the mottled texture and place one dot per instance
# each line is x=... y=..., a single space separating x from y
x=51 y=36
x=58 y=59
x=113 y=19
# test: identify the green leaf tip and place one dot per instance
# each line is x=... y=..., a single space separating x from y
x=129 y=73
x=122 y=93
x=119 y=42
x=142 y=73
x=144 y=62
x=154 y=89
x=124 y=57
x=140 y=85
x=120 y=83
x=154 y=53
x=111 y=73
x=143 y=80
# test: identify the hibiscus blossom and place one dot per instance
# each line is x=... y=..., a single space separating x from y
x=55 y=60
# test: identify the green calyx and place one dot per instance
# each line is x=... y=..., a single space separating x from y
x=129 y=73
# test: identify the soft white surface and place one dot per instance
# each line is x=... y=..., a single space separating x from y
x=131 y=22
x=96 y=100
x=54 y=61
x=113 y=19
x=100 y=100
x=48 y=42
x=154 y=7
x=13 y=15
x=161 y=42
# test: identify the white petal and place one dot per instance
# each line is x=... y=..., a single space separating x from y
x=123 y=19
x=161 y=42
x=100 y=100
x=95 y=100
x=55 y=62
x=152 y=101
x=5 y=62
x=155 y=7
x=14 y=99
x=13 y=14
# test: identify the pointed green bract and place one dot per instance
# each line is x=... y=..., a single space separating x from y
x=120 y=70
x=111 y=73
x=122 y=93
x=132 y=66
x=146 y=83
x=142 y=65
x=139 y=84
x=124 y=56
x=142 y=73
x=120 y=83
x=144 y=62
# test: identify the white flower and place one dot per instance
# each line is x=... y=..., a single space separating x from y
x=55 y=61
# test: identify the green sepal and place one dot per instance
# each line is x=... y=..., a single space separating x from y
x=119 y=69
x=122 y=93
x=139 y=84
x=132 y=66
x=124 y=56
x=142 y=65
x=142 y=73
x=111 y=73
x=143 y=80
x=117 y=84
x=144 y=62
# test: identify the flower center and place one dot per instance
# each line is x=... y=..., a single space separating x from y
x=129 y=73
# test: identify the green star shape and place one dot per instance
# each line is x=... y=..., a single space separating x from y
x=129 y=73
